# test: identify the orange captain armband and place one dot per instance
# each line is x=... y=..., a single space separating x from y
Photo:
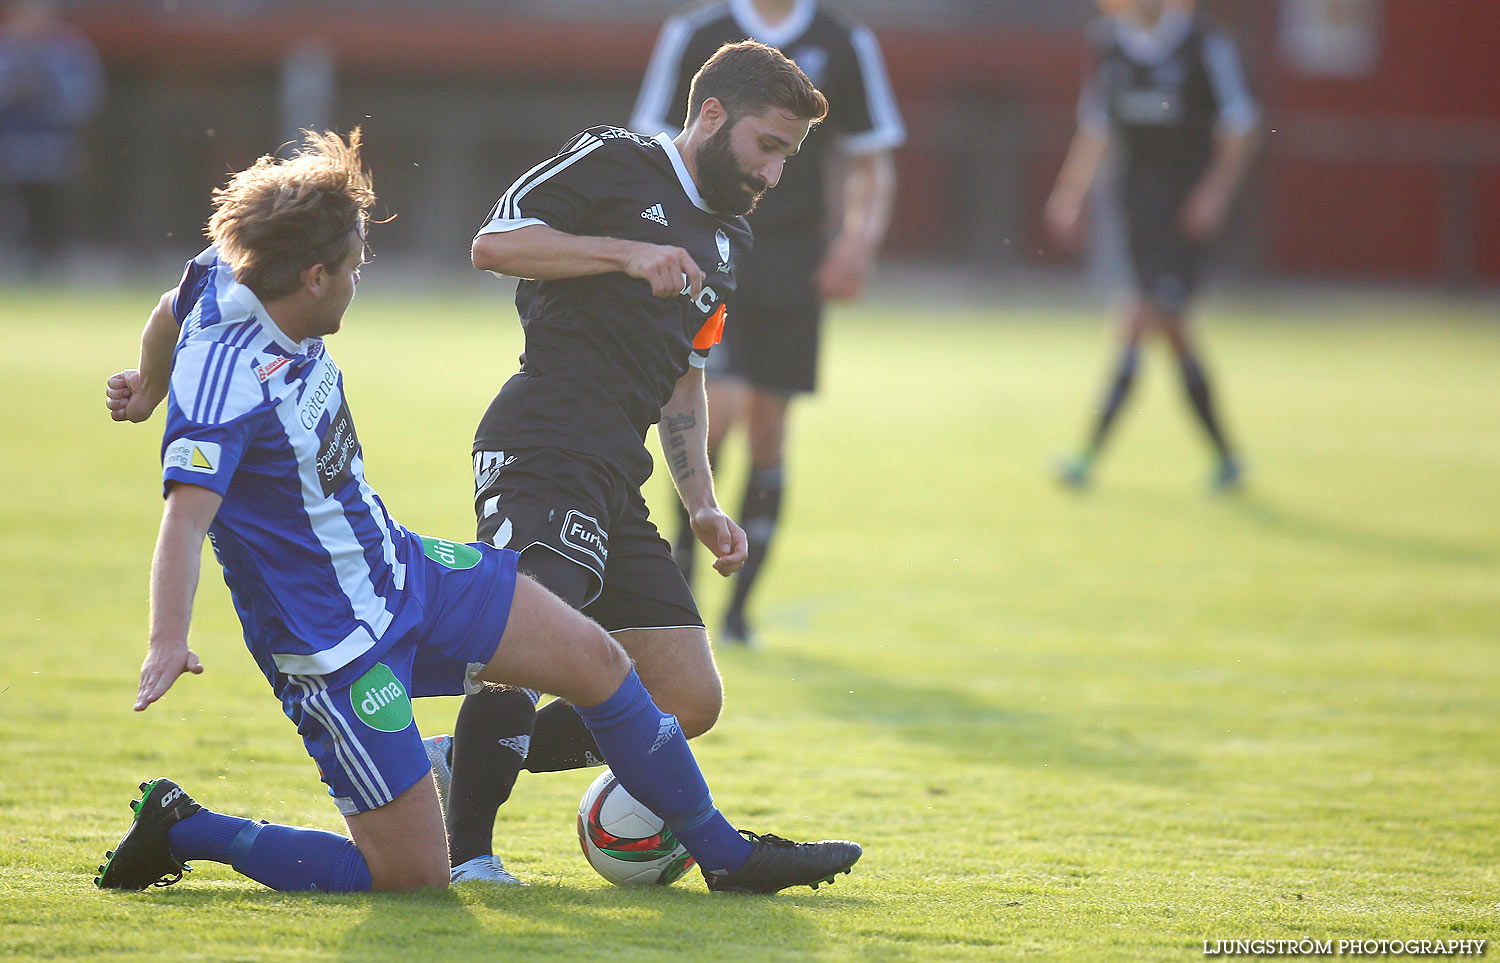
x=712 y=331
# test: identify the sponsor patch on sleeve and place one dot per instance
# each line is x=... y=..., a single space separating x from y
x=189 y=455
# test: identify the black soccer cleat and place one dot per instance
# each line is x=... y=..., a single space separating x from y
x=142 y=858
x=777 y=863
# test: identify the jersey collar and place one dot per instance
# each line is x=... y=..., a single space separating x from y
x=245 y=300
x=686 y=179
x=778 y=35
x=1154 y=45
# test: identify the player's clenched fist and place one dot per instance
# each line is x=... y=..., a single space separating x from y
x=669 y=270
x=126 y=398
x=723 y=537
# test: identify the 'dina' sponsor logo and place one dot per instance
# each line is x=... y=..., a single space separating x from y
x=451 y=554
x=380 y=701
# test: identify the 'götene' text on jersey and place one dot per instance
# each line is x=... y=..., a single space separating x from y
x=602 y=354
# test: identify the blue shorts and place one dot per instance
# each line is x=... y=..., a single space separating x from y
x=357 y=721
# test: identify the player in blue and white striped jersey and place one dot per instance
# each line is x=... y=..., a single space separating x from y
x=348 y=614
x=315 y=564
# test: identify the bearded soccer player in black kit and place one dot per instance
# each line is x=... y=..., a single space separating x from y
x=628 y=248
x=770 y=353
x=1166 y=90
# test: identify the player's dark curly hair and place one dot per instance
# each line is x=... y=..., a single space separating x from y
x=280 y=216
x=749 y=77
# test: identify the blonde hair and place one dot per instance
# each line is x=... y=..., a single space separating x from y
x=281 y=216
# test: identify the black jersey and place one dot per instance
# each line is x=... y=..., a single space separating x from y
x=840 y=57
x=602 y=354
x=1162 y=93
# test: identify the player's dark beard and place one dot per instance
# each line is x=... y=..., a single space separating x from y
x=726 y=186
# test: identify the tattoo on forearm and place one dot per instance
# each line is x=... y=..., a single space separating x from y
x=677 y=452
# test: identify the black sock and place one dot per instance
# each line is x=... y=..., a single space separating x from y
x=685 y=548
x=490 y=742
x=758 y=516
x=561 y=741
x=1114 y=398
x=1196 y=383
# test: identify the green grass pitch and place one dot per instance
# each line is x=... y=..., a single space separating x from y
x=1096 y=727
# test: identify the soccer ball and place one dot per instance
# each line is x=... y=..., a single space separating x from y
x=625 y=842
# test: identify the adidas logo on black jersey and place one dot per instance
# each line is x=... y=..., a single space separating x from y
x=655 y=213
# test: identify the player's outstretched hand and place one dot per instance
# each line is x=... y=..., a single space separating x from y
x=125 y=397
x=1203 y=212
x=1066 y=217
x=162 y=667
x=718 y=532
x=669 y=270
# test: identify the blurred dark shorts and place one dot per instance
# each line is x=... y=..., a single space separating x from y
x=771 y=334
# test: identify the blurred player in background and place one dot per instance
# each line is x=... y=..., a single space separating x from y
x=772 y=343
x=51 y=82
x=1165 y=90
x=347 y=613
x=629 y=247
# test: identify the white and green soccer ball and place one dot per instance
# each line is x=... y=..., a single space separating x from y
x=625 y=842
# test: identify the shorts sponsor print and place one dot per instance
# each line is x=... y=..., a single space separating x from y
x=357 y=721
x=380 y=701
x=576 y=507
x=454 y=555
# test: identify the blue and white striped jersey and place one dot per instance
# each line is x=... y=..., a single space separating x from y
x=314 y=563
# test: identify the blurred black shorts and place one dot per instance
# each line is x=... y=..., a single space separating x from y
x=771 y=332
x=1165 y=264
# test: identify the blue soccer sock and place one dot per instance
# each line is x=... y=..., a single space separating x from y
x=284 y=858
x=650 y=756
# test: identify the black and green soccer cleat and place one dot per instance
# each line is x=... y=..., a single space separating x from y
x=142 y=857
x=1076 y=471
x=777 y=863
x=1228 y=476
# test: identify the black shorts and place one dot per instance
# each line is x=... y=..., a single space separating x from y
x=584 y=532
x=771 y=334
x=1165 y=264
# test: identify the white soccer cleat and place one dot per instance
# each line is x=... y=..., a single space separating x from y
x=484 y=869
x=438 y=748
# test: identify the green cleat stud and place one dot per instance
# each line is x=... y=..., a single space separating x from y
x=145 y=786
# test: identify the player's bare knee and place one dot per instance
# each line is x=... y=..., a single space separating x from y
x=409 y=883
x=407 y=879
x=700 y=714
x=593 y=660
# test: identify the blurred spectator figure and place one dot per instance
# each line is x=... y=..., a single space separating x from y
x=51 y=82
x=1164 y=90
x=770 y=349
